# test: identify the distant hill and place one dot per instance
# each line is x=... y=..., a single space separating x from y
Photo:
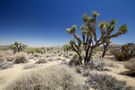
x=115 y=46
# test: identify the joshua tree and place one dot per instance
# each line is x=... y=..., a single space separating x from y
x=90 y=39
x=17 y=47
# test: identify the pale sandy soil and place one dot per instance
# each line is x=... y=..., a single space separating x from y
x=116 y=71
x=114 y=68
x=8 y=75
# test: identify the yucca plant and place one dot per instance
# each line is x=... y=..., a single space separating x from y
x=17 y=47
x=90 y=39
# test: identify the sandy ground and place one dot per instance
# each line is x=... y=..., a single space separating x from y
x=7 y=75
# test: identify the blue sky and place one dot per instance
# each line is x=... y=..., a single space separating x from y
x=44 y=22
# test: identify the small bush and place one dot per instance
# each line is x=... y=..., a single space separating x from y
x=37 y=55
x=131 y=65
x=29 y=66
x=41 y=61
x=126 y=52
x=20 y=58
x=35 y=50
x=2 y=60
x=101 y=81
x=75 y=61
x=51 y=78
x=9 y=58
x=66 y=56
x=95 y=64
x=5 y=65
x=119 y=56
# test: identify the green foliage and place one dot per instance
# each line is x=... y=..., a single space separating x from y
x=35 y=50
x=90 y=40
x=72 y=30
x=67 y=47
x=126 y=52
x=17 y=47
x=123 y=29
x=119 y=56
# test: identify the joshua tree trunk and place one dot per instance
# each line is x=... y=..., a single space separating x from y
x=87 y=58
x=105 y=49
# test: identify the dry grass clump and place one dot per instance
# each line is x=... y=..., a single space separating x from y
x=37 y=55
x=29 y=66
x=20 y=58
x=131 y=65
x=100 y=81
x=41 y=61
x=2 y=59
x=75 y=60
x=9 y=58
x=8 y=55
x=66 y=56
x=95 y=64
x=51 y=78
x=5 y=65
x=119 y=56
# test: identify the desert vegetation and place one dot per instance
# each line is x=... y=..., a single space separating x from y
x=90 y=39
x=126 y=52
x=89 y=62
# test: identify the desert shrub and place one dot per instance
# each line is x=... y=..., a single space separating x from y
x=130 y=65
x=35 y=50
x=20 y=58
x=41 y=61
x=7 y=55
x=93 y=65
x=51 y=78
x=110 y=63
x=66 y=56
x=101 y=81
x=59 y=55
x=5 y=65
x=119 y=56
x=75 y=60
x=126 y=52
x=29 y=66
x=2 y=59
x=67 y=48
x=37 y=55
x=71 y=54
x=98 y=49
x=9 y=58
x=58 y=58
